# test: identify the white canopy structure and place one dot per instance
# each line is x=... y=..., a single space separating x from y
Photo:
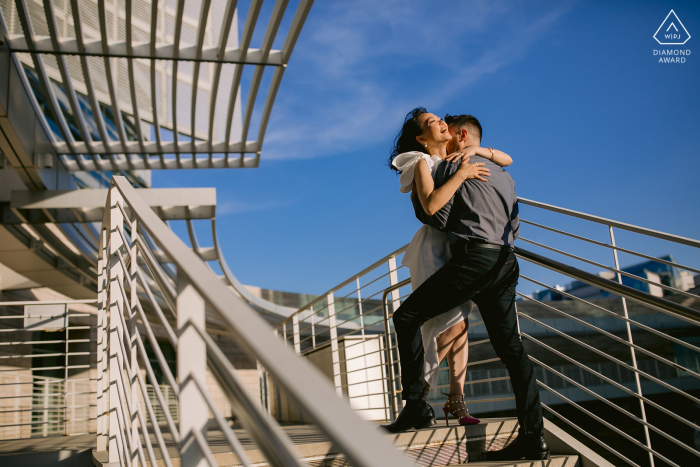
x=92 y=88
x=171 y=70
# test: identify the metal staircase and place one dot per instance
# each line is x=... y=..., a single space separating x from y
x=347 y=335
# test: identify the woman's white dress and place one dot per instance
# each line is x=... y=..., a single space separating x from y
x=428 y=251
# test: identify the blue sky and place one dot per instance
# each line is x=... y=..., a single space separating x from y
x=570 y=89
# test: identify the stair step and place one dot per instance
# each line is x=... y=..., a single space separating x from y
x=553 y=461
x=439 y=445
x=455 y=445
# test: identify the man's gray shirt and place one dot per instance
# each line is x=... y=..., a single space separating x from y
x=483 y=211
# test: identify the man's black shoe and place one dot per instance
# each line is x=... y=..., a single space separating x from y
x=416 y=414
x=526 y=447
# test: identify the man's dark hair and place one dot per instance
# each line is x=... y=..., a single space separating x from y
x=462 y=121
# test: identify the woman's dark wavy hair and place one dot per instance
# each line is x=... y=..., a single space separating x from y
x=406 y=139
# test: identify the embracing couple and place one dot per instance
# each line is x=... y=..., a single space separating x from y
x=463 y=254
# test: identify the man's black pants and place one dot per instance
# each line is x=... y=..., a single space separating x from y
x=488 y=277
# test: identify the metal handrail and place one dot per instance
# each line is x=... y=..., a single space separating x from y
x=307 y=387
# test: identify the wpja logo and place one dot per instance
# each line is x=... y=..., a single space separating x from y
x=671 y=32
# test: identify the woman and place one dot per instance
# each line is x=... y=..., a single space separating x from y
x=419 y=148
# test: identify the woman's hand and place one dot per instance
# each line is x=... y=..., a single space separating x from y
x=468 y=171
x=463 y=154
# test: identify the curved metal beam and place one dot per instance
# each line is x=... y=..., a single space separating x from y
x=23 y=14
x=246 y=37
x=117 y=115
x=292 y=36
x=176 y=52
x=96 y=110
x=270 y=33
x=223 y=40
x=132 y=81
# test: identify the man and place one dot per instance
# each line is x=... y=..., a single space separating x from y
x=481 y=221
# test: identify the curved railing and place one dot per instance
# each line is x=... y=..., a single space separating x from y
x=137 y=299
x=364 y=358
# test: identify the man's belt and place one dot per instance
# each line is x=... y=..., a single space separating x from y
x=478 y=244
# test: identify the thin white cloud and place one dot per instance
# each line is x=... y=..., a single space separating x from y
x=225 y=208
x=351 y=88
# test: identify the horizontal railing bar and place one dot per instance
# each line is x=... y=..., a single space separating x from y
x=49 y=302
x=607 y=424
x=33 y=316
x=613 y=382
x=366 y=368
x=53 y=409
x=590 y=436
x=383 y=378
x=665 y=306
x=480 y=362
x=369 y=395
x=603 y=244
x=46 y=380
x=46 y=368
x=612 y=223
x=615 y=406
x=24 y=396
x=617 y=316
x=34 y=355
x=479 y=381
x=70 y=341
x=482 y=401
x=611 y=358
x=611 y=269
x=610 y=335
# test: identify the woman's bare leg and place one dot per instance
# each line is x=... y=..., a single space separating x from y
x=445 y=342
x=452 y=344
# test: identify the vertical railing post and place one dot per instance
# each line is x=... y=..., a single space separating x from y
x=393 y=280
x=65 y=374
x=133 y=359
x=313 y=327
x=45 y=398
x=101 y=336
x=395 y=303
x=191 y=366
x=391 y=378
x=632 y=352
x=335 y=353
x=359 y=310
x=295 y=330
x=264 y=384
x=116 y=307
